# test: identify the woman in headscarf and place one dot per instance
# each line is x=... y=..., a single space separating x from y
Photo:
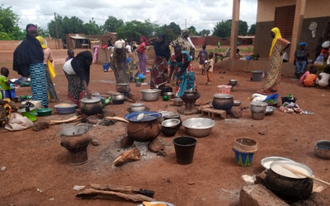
x=77 y=72
x=273 y=77
x=50 y=71
x=119 y=63
x=28 y=61
x=184 y=41
x=182 y=66
x=159 y=69
x=141 y=50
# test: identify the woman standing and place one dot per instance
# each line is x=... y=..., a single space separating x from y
x=273 y=77
x=141 y=50
x=184 y=41
x=50 y=71
x=182 y=66
x=77 y=72
x=159 y=69
x=119 y=63
x=28 y=61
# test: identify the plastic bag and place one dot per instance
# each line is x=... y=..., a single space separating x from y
x=51 y=70
x=272 y=97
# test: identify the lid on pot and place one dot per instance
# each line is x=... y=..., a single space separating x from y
x=147 y=116
x=279 y=168
x=223 y=96
x=91 y=100
x=137 y=105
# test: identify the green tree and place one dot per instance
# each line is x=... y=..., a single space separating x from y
x=175 y=28
x=242 y=27
x=252 y=30
x=133 y=30
x=192 y=30
x=91 y=28
x=9 y=29
x=204 y=32
x=222 y=29
x=112 y=23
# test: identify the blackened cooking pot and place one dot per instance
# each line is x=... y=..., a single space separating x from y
x=288 y=188
x=164 y=89
x=223 y=101
x=90 y=106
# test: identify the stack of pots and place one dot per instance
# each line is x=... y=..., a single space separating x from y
x=258 y=110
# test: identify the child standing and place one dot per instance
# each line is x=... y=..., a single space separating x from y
x=209 y=70
x=7 y=90
x=310 y=78
x=70 y=54
x=324 y=77
x=202 y=57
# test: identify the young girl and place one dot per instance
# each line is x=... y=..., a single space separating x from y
x=308 y=79
x=323 y=78
x=209 y=70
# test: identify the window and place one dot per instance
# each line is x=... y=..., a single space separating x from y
x=284 y=18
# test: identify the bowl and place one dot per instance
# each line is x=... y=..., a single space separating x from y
x=44 y=111
x=198 y=127
x=65 y=108
x=237 y=102
x=150 y=95
x=170 y=95
x=322 y=149
x=267 y=161
x=138 y=107
x=270 y=110
x=170 y=127
x=139 y=79
x=177 y=102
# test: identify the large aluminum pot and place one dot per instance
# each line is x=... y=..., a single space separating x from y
x=118 y=98
x=223 y=101
x=286 y=184
x=90 y=106
x=138 y=107
x=258 y=107
x=150 y=95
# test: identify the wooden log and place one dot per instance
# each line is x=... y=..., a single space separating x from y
x=132 y=154
x=119 y=188
x=131 y=197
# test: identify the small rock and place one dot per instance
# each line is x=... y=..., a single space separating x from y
x=51 y=199
x=95 y=142
x=191 y=183
x=126 y=142
x=261 y=133
x=3 y=168
x=78 y=188
x=161 y=153
x=155 y=145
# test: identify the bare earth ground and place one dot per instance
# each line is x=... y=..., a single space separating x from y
x=35 y=160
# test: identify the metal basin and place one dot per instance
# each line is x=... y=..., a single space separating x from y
x=118 y=98
x=170 y=95
x=322 y=149
x=138 y=107
x=170 y=127
x=258 y=107
x=198 y=127
x=177 y=102
x=150 y=95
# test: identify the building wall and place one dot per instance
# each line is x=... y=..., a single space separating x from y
x=265 y=22
x=12 y=44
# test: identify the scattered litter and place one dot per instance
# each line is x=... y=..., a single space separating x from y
x=51 y=199
x=39 y=190
x=78 y=188
x=249 y=179
x=3 y=168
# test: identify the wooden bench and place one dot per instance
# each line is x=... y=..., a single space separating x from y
x=212 y=112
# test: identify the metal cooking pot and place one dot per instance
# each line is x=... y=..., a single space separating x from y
x=223 y=101
x=288 y=188
x=123 y=87
x=232 y=82
x=90 y=106
x=173 y=116
x=258 y=107
x=177 y=102
x=118 y=98
x=150 y=94
x=165 y=89
x=138 y=107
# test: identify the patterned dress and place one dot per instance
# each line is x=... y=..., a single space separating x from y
x=159 y=71
x=273 y=76
x=39 y=84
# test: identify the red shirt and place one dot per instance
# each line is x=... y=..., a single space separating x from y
x=140 y=48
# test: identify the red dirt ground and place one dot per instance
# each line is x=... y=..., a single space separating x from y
x=35 y=160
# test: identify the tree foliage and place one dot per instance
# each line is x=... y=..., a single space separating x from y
x=204 y=32
x=252 y=30
x=223 y=28
x=192 y=30
x=112 y=23
x=9 y=29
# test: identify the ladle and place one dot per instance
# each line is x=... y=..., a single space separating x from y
x=157 y=86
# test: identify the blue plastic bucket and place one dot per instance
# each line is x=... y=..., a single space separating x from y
x=243 y=159
x=106 y=67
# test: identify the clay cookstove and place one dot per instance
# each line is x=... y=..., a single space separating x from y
x=189 y=98
x=75 y=139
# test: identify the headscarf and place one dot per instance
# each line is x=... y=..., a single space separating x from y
x=144 y=39
x=277 y=35
x=185 y=32
x=161 y=48
x=42 y=42
x=80 y=67
x=28 y=52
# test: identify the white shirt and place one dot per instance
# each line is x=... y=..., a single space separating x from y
x=324 y=81
x=68 y=68
x=128 y=48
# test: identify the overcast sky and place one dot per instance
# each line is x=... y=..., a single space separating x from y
x=202 y=14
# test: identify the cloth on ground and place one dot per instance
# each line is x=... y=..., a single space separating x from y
x=290 y=107
x=18 y=122
x=258 y=97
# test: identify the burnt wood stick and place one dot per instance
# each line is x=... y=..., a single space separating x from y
x=118 y=188
x=131 y=197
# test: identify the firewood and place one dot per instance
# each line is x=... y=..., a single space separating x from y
x=132 y=154
x=119 y=188
x=131 y=197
